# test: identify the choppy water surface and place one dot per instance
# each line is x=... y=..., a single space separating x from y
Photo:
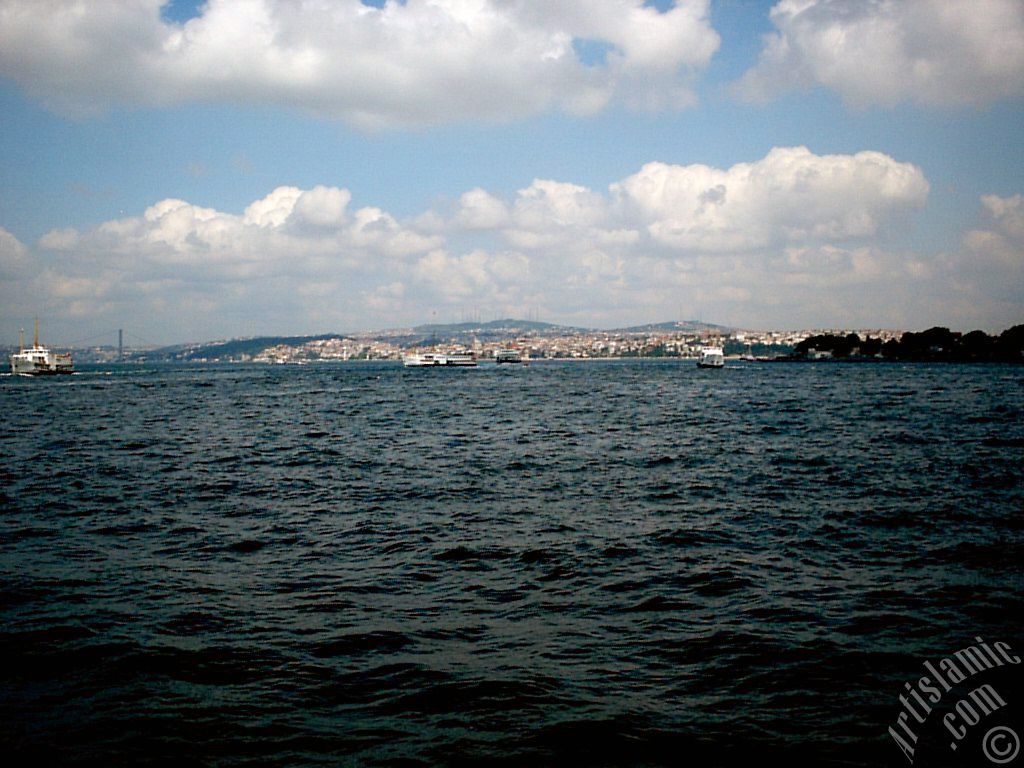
x=607 y=563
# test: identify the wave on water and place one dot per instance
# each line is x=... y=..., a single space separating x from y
x=636 y=563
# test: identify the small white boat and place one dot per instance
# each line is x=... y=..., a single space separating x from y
x=711 y=357
x=37 y=360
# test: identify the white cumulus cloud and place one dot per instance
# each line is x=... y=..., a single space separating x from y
x=935 y=52
x=1000 y=244
x=407 y=63
x=793 y=229
x=790 y=239
x=14 y=258
x=791 y=195
x=290 y=253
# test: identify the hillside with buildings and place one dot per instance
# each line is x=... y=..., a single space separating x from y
x=540 y=340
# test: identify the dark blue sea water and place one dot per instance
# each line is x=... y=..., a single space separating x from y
x=607 y=563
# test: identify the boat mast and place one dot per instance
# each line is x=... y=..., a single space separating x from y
x=35 y=341
x=21 y=340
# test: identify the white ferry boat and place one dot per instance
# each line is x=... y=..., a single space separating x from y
x=711 y=357
x=508 y=356
x=422 y=359
x=430 y=359
x=37 y=360
x=460 y=358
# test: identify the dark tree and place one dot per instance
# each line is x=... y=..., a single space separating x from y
x=892 y=349
x=870 y=347
x=1009 y=347
x=976 y=345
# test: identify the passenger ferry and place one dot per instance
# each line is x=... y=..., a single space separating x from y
x=508 y=356
x=37 y=360
x=711 y=357
x=431 y=359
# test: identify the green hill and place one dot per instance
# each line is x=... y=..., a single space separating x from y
x=508 y=325
x=683 y=326
x=223 y=350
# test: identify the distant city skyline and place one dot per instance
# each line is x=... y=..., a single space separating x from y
x=194 y=171
x=503 y=328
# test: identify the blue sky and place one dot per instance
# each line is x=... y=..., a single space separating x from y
x=791 y=164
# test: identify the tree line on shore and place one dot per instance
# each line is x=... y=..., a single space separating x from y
x=935 y=344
